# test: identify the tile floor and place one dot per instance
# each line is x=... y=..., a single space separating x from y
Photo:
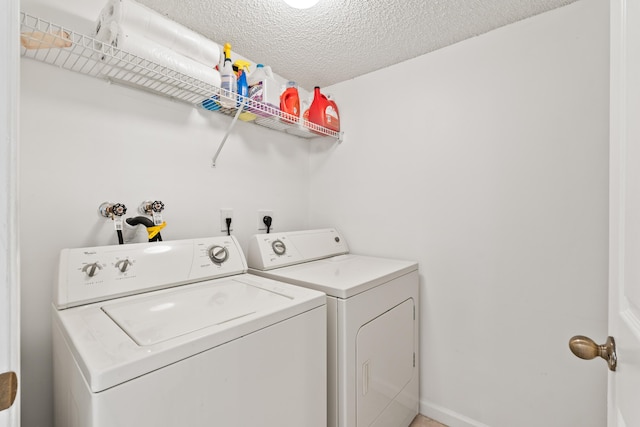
x=422 y=421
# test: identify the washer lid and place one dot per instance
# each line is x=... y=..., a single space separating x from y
x=159 y=318
x=112 y=343
x=342 y=276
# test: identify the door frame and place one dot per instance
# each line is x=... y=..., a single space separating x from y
x=615 y=111
x=9 y=247
x=624 y=325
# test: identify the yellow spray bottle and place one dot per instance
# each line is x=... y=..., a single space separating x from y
x=228 y=80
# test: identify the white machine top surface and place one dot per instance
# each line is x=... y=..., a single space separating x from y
x=342 y=276
x=316 y=259
x=157 y=318
x=117 y=339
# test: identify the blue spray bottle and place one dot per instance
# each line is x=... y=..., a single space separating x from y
x=243 y=88
x=243 y=92
x=242 y=67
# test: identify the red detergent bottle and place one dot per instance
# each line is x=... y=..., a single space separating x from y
x=324 y=111
x=290 y=103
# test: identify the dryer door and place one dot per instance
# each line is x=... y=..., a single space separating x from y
x=385 y=359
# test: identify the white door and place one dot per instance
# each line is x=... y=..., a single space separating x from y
x=9 y=301
x=624 y=248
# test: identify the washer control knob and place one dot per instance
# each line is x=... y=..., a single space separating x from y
x=279 y=247
x=92 y=269
x=123 y=265
x=218 y=254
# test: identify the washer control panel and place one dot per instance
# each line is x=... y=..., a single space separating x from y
x=275 y=250
x=100 y=273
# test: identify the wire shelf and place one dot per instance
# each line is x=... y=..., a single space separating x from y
x=64 y=48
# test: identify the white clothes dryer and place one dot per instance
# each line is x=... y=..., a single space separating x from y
x=175 y=333
x=372 y=322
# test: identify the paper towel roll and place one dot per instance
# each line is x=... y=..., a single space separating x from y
x=119 y=37
x=148 y=23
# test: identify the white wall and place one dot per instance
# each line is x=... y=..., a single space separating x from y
x=85 y=141
x=487 y=162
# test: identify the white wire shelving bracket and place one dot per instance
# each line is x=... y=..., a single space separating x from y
x=53 y=44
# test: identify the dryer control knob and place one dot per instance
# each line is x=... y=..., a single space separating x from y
x=92 y=269
x=218 y=254
x=279 y=247
x=123 y=265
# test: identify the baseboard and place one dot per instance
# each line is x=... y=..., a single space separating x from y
x=447 y=416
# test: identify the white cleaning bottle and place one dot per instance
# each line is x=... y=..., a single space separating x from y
x=259 y=75
x=264 y=89
x=228 y=80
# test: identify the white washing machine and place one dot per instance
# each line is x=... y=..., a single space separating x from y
x=372 y=322
x=175 y=333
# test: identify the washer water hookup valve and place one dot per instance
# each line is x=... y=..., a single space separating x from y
x=154 y=209
x=116 y=212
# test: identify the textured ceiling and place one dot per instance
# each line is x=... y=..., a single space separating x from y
x=337 y=40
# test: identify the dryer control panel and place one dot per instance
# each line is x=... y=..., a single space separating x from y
x=100 y=273
x=275 y=250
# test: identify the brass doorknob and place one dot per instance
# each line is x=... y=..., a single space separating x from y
x=586 y=348
x=8 y=389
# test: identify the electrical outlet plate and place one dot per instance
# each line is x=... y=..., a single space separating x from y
x=262 y=214
x=224 y=214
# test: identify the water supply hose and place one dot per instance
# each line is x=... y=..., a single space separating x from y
x=152 y=230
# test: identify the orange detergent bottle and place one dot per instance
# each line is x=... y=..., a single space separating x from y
x=324 y=111
x=290 y=103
